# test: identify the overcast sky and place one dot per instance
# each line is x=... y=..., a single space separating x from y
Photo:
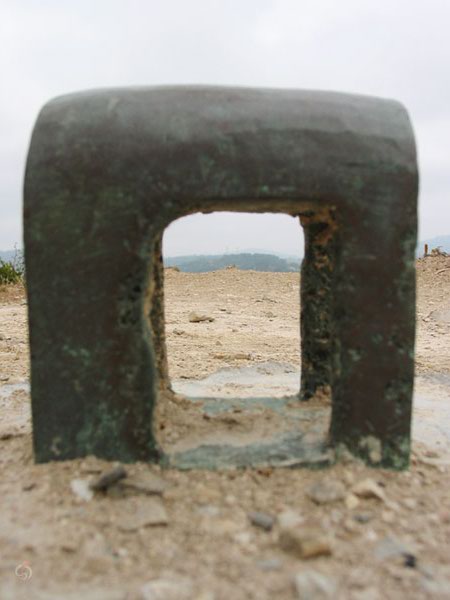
x=398 y=49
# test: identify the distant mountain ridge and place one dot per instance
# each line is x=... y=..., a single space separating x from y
x=245 y=261
x=441 y=241
x=251 y=259
x=7 y=255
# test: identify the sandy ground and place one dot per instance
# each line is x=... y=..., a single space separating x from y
x=175 y=535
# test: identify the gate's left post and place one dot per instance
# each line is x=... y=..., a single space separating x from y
x=88 y=254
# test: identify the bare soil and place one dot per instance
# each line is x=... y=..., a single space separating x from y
x=394 y=544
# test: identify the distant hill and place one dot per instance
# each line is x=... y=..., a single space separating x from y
x=7 y=255
x=244 y=261
x=442 y=241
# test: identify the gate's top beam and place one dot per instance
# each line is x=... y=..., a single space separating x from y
x=217 y=142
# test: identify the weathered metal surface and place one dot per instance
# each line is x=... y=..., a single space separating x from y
x=108 y=170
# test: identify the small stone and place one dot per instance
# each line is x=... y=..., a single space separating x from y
x=409 y=560
x=167 y=588
x=179 y=331
x=262 y=520
x=444 y=516
x=142 y=512
x=270 y=564
x=208 y=510
x=390 y=547
x=410 y=503
x=371 y=535
x=349 y=477
x=70 y=546
x=350 y=526
x=430 y=453
x=312 y=585
x=221 y=527
x=197 y=318
x=373 y=447
x=244 y=538
x=326 y=491
x=242 y=356
x=206 y=595
x=305 y=543
x=437 y=588
x=82 y=489
x=8 y=435
x=336 y=516
x=387 y=516
x=368 y=593
x=289 y=519
x=28 y=485
x=363 y=517
x=368 y=488
x=144 y=483
x=108 y=479
x=351 y=501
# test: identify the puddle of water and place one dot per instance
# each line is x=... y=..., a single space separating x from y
x=273 y=385
x=274 y=381
x=264 y=379
x=431 y=422
x=291 y=449
x=441 y=316
x=437 y=378
x=16 y=415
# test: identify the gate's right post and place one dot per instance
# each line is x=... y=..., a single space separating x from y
x=373 y=320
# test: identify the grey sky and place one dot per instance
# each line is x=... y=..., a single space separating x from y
x=395 y=49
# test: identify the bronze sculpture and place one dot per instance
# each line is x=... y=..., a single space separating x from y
x=108 y=170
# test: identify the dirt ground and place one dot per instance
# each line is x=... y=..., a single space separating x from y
x=347 y=532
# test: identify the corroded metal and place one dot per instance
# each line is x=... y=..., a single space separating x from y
x=108 y=170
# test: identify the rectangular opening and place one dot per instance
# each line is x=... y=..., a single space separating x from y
x=232 y=331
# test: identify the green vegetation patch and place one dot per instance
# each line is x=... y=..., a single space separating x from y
x=12 y=271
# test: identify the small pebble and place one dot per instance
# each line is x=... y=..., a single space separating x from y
x=305 y=543
x=351 y=501
x=270 y=564
x=108 y=478
x=312 y=585
x=197 y=318
x=262 y=520
x=368 y=488
x=326 y=491
x=140 y=511
x=390 y=547
x=82 y=489
x=410 y=503
x=363 y=517
x=144 y=483
x=167 y=588
x=387 y=516
x=289 y=518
